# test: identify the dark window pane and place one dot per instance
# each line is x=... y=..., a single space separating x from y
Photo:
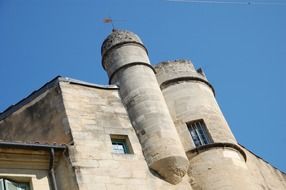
x=199 y=133
x=120 y=144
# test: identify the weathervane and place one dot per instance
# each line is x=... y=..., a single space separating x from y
x=109 y=20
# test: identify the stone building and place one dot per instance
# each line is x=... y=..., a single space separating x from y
x=153 y=128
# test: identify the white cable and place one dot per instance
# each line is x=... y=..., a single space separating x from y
x=232 y=2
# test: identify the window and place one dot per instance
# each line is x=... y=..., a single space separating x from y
x=199 y=133
x=6 y=184
x=120 y=144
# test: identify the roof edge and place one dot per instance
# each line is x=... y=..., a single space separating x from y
x=258 y=157
x=83 y=83
x=11 y=109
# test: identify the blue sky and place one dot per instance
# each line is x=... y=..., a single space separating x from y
x=242 y=49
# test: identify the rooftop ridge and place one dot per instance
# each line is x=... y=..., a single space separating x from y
x=11 y=109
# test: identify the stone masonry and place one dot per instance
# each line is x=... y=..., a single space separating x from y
x=155 y=112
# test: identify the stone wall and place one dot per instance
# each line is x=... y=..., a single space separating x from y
x=91 y=115
x=126 y=61
x=94 y=114
x=41 y=120
x=25 y=166
x=65 y=174
x=263 y=174
x=190 y=97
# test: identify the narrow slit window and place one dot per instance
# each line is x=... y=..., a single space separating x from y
x=199 y=133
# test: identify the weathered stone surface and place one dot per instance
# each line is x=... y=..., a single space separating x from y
x=263 y=174
x=93 y=114
x=92 y=122
x=219 y=169
x=190 y=100
x=119 y=37
x=32 y=166
x=190 y=97
x=85 y=116
x=128 y=66
x=42 y=120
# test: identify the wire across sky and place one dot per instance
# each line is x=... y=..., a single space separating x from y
x=271 y=3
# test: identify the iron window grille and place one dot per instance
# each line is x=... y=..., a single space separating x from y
x=199 y=133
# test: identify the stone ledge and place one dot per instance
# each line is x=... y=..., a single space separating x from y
x=206 y=147
x=167 y=83
x=130 y=65
x=118 y=46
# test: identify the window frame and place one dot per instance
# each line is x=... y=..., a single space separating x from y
x=121 y=140
x=4 y=182
x=199 y=133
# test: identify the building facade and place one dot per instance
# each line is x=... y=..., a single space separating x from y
x=152 y=128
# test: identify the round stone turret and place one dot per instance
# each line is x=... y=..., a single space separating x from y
x=194 y=98
x=207 y=139
x=121 y=49
x=168 y=72
x=119 y=37
x=125 y=59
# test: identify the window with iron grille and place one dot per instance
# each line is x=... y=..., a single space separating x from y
x=199 y=133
